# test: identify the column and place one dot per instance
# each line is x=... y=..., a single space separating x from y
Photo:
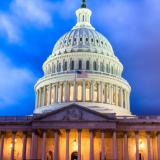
x=102 y=145
x=84 y=91
x=24 y=145
x=99 y=92
x=33 y=152
x=117 y=95
x=44 y=145
x=158 y=145
x=60 y=93
x=50 y=93
x=92 y=91
x=67 y=144
x=125 y=146
x=148 y=146
x=114 y=146
x=137 y=145
x=65 y=91
x=1 y=145
x=36 y=97
x=111 y=93
x=56 y=144
x=79 y=144
x=75 y=90
x=56 y=92
x=122 y=97
x=40 y=97
x=13 y=145
x=44 y=95
x=91 y=145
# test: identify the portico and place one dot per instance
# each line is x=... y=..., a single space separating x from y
x=76 y=129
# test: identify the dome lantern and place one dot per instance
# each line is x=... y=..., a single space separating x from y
x=83 y=17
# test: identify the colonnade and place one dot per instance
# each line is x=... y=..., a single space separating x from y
x=56 y=148
x=82 y=91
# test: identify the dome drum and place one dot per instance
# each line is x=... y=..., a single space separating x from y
x=83 y=50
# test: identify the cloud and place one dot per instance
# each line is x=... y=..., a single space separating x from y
x=34 y=13
x=14 y=82
x=9 y=28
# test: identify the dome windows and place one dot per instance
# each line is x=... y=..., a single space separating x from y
x=80 y=65
x=87 y=65
x=72 y=65
x=65 y=66
x=95 y=66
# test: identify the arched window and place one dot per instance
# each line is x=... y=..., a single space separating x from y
x=59 y=67
x=107 y=68
x=54 y=68
x=94 y=66
x=101 y=67
x=80 y=64
x=65 y=66
x=72 y=65
x=112 y=70
x=87 y=65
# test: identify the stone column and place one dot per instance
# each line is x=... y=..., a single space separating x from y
x=137 y=146
x=44 y=145
x=44 y=95
x=13 y=145
x=67 y=144
x=148 y=146
x=33 y=152
x=24 y=145
x=91 y=145
x=84 y=91
x=56 y=91
x=75 y=91
x=111 y=93
x=36 y=97
x=56 y=145
x=92 y=91
x=114 y=146
x=50 y=93
x=102 y=146
x=1 y=145
x=125 y=146
x=60 y=93
x=65 y=91
x=158 y=145
x=40 y=97
x=79 y=144
x=99 y=92
x=122 y=97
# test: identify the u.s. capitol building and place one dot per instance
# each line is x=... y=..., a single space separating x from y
x=82 y=109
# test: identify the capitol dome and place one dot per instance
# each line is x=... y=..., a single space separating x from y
x=84 y=70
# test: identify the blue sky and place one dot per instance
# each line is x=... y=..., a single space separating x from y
x=30 y=28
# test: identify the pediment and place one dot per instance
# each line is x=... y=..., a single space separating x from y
x=74 y=112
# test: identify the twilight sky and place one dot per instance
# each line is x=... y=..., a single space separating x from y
x=30 y=28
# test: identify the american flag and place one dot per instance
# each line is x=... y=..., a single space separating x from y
x=81 y=74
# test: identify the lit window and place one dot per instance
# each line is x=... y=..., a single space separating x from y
x=59 y=94
x=71 y=91
x=119 y=97
x=47 y=96
x=62 y=96
x=79 y=92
